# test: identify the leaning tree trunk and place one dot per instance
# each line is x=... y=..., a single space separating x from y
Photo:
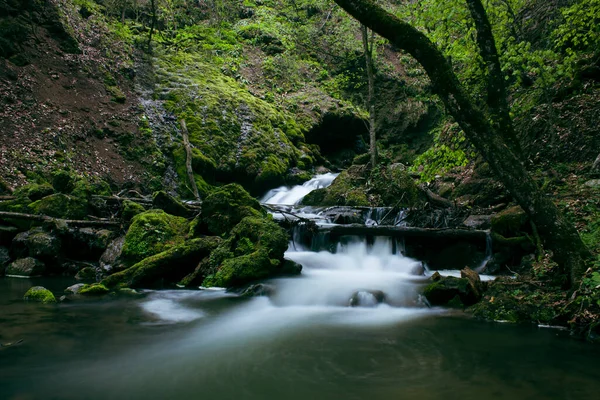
x=368 y=49
x=558 y=234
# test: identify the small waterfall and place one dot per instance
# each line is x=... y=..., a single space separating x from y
x=285 y=195
x=488 y=252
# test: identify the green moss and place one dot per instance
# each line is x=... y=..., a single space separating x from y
x=94 y=289
x=253 y=251
x=164 y=201
x=168 y=266
x=509 y=222
x=61 y=206
x=116 y=94
x=85 y=188
x=34 y=191
x=152 y=232
x=227 y=206
x=63 y=181
x=130 y=209
x=40 y=294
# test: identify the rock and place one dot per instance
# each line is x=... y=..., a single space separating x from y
x=108 y=260
x=4 y=259
x=482 y=192
x=224 y=208
x=94 y=289
x=477 y=286
x=63 y=182
x=130 y=209
x=26 y=268
x=451 y=291
x=39 y=294
x=509 y=222
x=61 y=206
x=34 y=191
x=260 y=289
x=593 y=183
x=152 y=232
x=253 y=251
x=344 y=215
x=367 y=298
x=163 y=201
x=169 y=266
x=43 y=245
x=72 y=267
x=87 y=274
x=418 y=269
x=87 y=243
x=74 y=289
x=290 y=268
x=481 y=222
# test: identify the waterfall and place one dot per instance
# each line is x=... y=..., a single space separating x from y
x=285 y=195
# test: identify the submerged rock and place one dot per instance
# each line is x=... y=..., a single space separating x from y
x=39 y=294
x=290 y=268
x=259 y=289
x=367 y=298
x=26 y=268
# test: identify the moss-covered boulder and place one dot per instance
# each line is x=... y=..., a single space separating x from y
x=34 y=191
x=170 y=266
x=130 y=209
x=86 y=274
x=163 y=201
x=87 y=187
x=227 y=206
x=451 y=291
x=36 y=243
x=94 y=289
x=152 y=232
x=63 y=181
x=61 y=206
x=39 y=294
x=253 y=251
x=27 y=267
x=509 y=222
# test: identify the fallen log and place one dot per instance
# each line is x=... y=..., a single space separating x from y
x=71 y=222
x=402 y=231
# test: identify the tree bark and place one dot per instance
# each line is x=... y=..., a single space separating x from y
x=559 y=235
x=596 y=165
x=152 y=24
x=368 y=49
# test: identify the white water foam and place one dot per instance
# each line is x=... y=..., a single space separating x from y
x=290 y=196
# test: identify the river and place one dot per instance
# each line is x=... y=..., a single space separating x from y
x=303 y=341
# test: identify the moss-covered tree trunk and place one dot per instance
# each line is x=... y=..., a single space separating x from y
x=559 y=235
x=368 y=49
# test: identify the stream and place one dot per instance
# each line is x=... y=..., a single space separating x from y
x=352 y=326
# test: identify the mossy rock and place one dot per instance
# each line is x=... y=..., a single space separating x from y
x=444 y=291
x=26 y=267
x=168 y=266
x=203 y=165
x=87 y=274
x=509 y=222
x=152 y=232
x=130 y=209
x=254 y=251
x=40 y=294
x=34 y=191
x=164 y=201
x=61 y=206
x=85 y=188
x=63 y=181
x=94 y=289
x=227 y=206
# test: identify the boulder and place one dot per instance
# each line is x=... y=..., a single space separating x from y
x=509 y=222
x=169 y=266
x=367 y=298
x=593 y=183
x=481 y=222
x=39 y=294
x=74 y=289
x=290 y=268
x=259 y=289
x=72 y=267
x=26 y=268
x=94 y=289
x=224 y=208
x=87 y=274
x=108 y=260
x=130 y=209
x=86 y=243
x=164 y=201
x=63 y=181
x=61 y=206
x=253 y=251
x=43 y=245
x=450 y=291
x=476 y=286
x=34 y=191
x=152 y=232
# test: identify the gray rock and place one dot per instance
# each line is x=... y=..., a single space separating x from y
x=88 y=274
x=74 y=289
x=260 y=289
x=72 y=267
x=26 y=268
x=36 y=243
x=478 y=221
x=367 y=298
x=111 y=254
x=593 y=183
